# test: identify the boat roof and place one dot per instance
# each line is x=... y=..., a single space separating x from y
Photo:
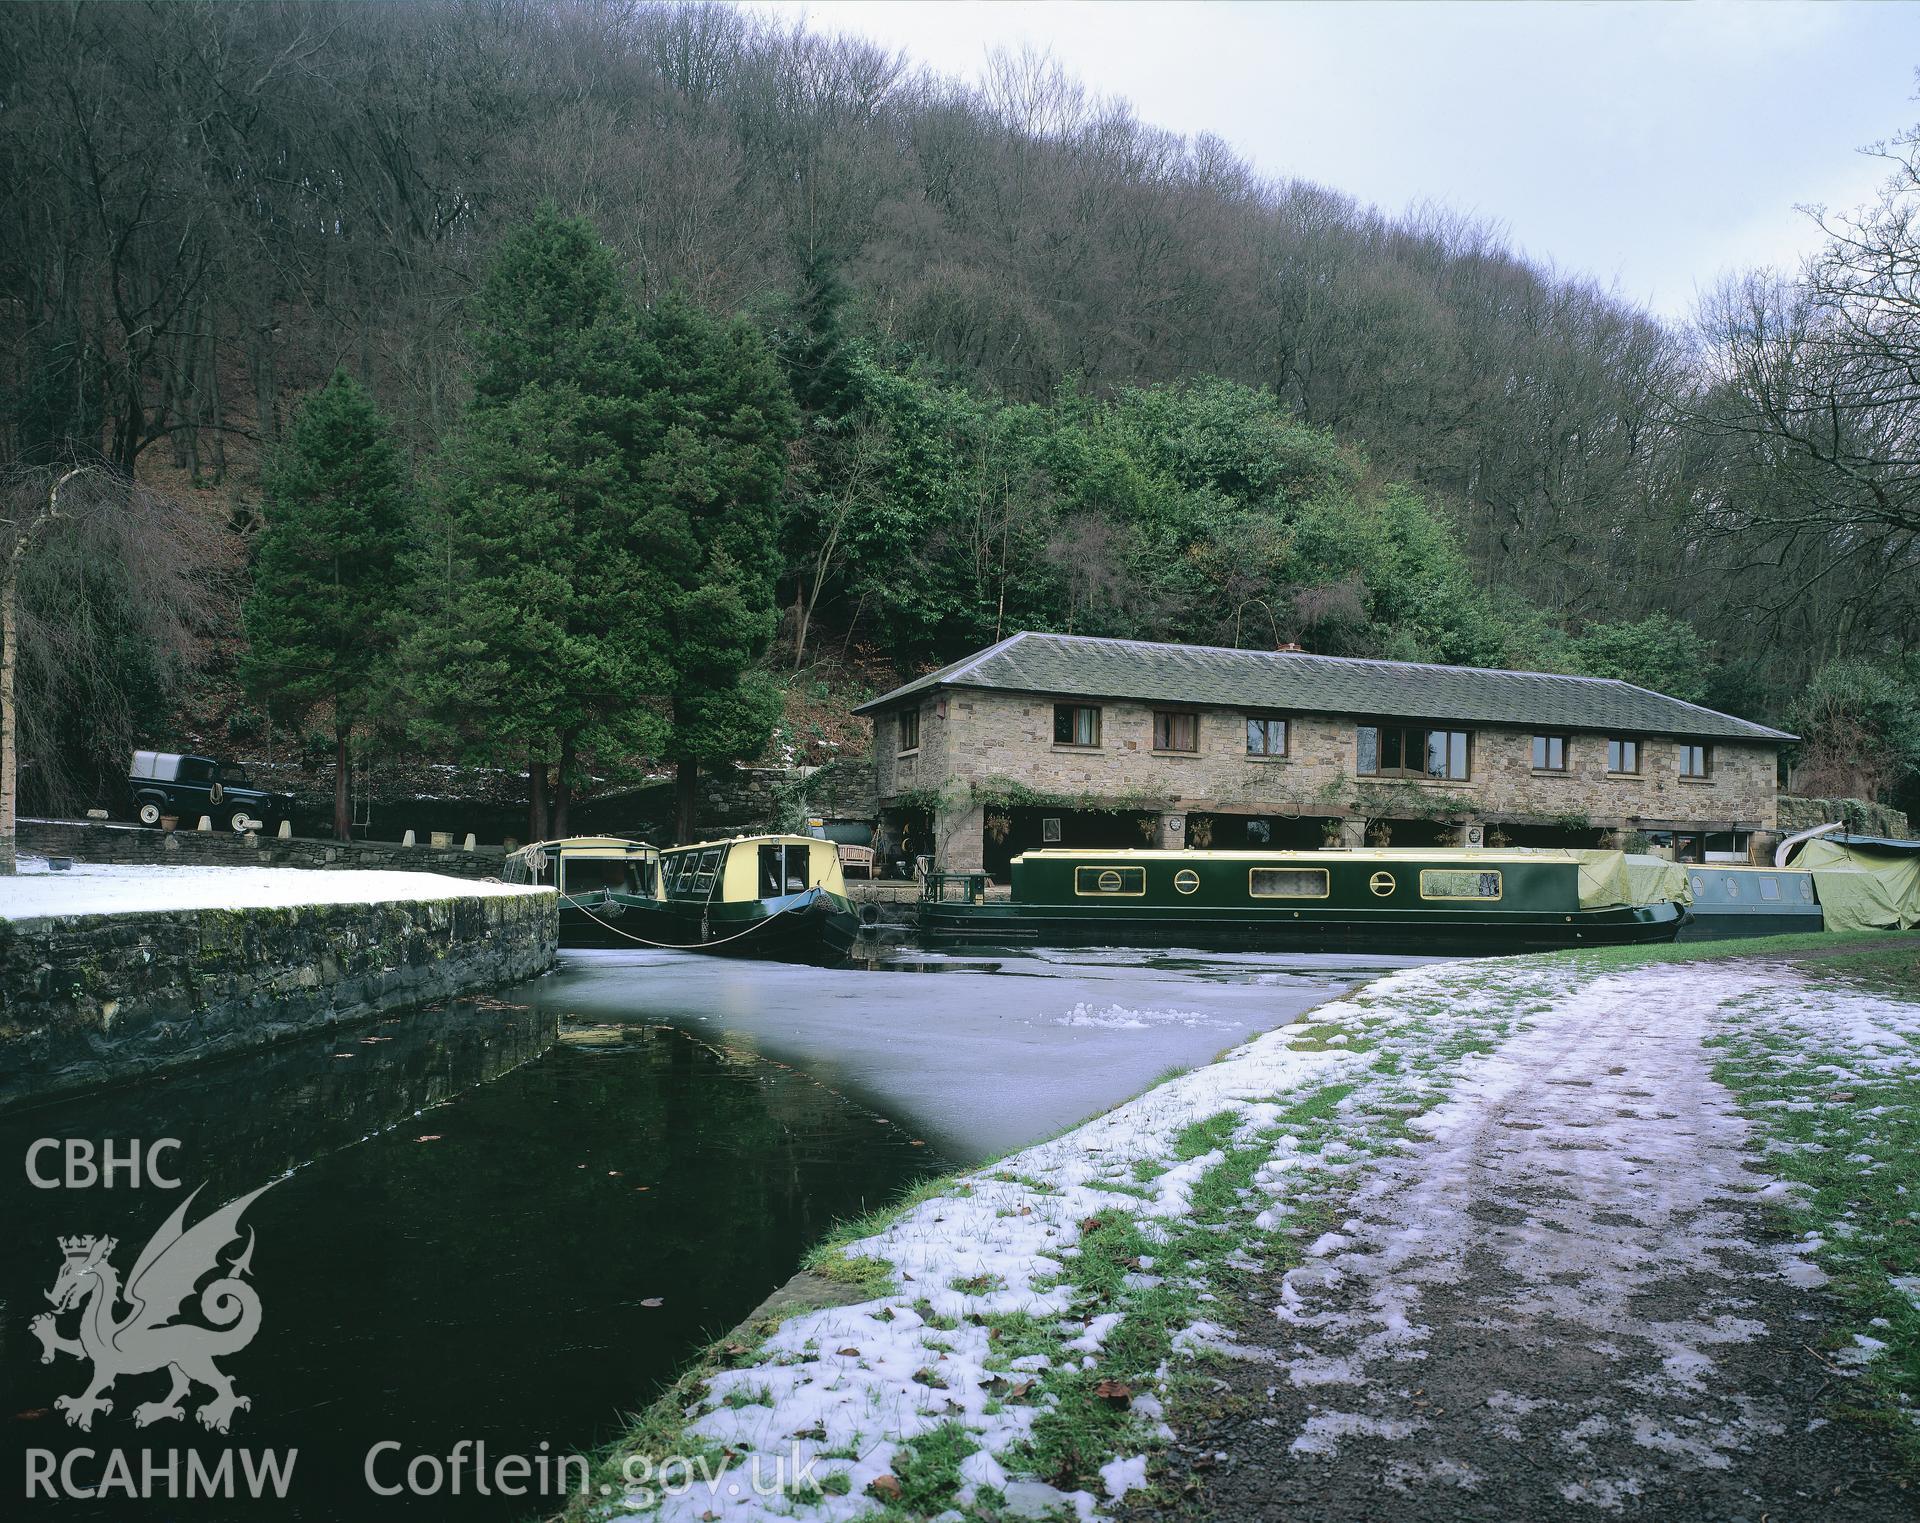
x=790 y=840
x=1465 y=854
x=593 y=846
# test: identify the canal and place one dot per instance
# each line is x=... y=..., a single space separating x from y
x=512 y=1220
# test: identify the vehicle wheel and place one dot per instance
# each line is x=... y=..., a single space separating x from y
x=240 y=821
x=149 y=813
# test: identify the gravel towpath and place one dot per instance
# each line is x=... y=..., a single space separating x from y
x=1561 y=1305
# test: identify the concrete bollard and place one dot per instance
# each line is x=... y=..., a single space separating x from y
x=97 y=814
x=206 y=822
x=286 y=830
x=470 y=842
x=407 y=839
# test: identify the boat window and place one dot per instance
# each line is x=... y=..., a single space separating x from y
x=1769 y=888
x=783 y=870
x=1287 y=882
x=1129 y=882
x=1699 y=884
x=1733 y=885
x=709 y=864
x=582 y=875
x=1458 y=883
x=1076 y=724
x=1174 y=731
x=688 y=862
x=1186 y=880
x=1266 y=737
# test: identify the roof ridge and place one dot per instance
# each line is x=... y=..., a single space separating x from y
x=1312 y=655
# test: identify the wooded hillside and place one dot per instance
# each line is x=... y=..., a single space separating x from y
x=1051 y=366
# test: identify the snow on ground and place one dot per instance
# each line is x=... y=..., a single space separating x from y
x=95 y=889
x=1524 y=1151
x=1587 y=1171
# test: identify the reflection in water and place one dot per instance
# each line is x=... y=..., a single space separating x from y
x=496 y=1228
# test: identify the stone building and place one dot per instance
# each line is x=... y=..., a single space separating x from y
x=1068 y=740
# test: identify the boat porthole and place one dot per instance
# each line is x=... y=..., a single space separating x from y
x=1699 y=884
x=1186 y=880
x=1382 y=884
x=1109 y=882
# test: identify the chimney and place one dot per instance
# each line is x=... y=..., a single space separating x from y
x=1289 y=646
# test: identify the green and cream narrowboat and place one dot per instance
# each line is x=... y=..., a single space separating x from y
x=599 y=879
x=1450 y=901
x=752 y=896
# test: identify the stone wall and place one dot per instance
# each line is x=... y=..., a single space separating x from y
x=1859 y=816
x=130 y=845
x=750 y=800
x=979 y=736
x=88 y=1000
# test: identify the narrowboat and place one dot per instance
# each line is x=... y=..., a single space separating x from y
x=1732 y=900
x=599 y=878
x=752 y=896
x=1452 y=901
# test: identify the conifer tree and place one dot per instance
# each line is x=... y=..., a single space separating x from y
x=326 y=569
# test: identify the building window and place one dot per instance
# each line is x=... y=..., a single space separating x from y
x=1174 y=731
x=1050 y=831
x=1623 y=757
x=1287 y=882
x=909 y=730
x=1266 y=737
x=1076 y=724
x=1130 y=882
x=1549 y=753
x=1696 y=762
x=1409 y=751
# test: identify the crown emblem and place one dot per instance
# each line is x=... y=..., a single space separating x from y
x=78 y=1248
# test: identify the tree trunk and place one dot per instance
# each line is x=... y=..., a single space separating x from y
x=9 y=645
x=342 y=783
x=563 y=787
x=537 y=799
x=686 y=800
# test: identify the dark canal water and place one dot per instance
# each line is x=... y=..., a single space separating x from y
x=511 y=1221
x=593 y=1204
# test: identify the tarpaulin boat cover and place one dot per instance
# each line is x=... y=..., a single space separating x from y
x=1610 y=878
x=1864 y=887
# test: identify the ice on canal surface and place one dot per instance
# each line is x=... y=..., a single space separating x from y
x=997 y=1052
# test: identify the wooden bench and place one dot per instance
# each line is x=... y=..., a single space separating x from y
x=857 y=856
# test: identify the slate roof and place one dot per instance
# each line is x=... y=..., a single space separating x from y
x=1081 y=666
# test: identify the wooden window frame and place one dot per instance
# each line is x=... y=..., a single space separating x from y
x=1420 y=775
x=1548 y=742
x=1110 y=893
x=1499 y=880
x=1175 y=714
x=1687 y=749
x=1623 y=740
x=1073 y=727
x=1266 y=723
x=909 y=720
x=1326 y=882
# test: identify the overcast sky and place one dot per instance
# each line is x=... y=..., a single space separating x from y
x=1650 y=146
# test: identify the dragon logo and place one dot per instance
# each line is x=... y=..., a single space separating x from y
x=146 y=1337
